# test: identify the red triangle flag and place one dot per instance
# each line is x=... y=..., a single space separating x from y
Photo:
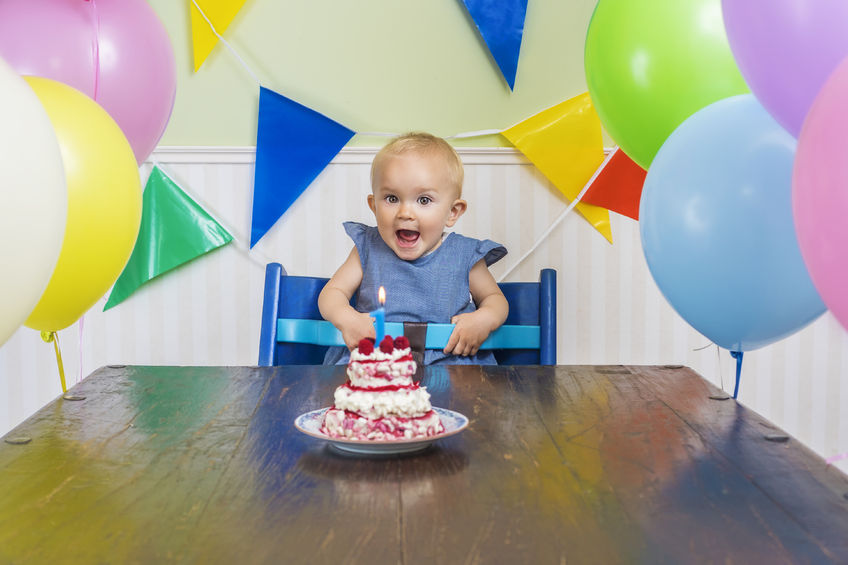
x=618 y=187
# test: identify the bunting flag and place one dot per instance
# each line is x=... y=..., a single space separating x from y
x=174 y=230
x=293 y=145
x=501 y=24
x=618 y=187
x=220 y=14
x=566 y=145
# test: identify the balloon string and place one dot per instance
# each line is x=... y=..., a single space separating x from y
x=79 y=345
x=95 y=48
x=738 y=356
x=54 y=337
x=718 y=363
x=835 y=458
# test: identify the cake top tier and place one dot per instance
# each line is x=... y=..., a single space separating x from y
x=389 y=365
x=388 y=345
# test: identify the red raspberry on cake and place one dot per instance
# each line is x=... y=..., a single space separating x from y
x=401 y=342
x=387 y=345
x=366 y=346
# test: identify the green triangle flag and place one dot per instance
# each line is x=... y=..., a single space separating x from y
x=174 y=230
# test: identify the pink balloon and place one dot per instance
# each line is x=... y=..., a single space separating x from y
x=786 y=50
x=115 y=51
x=820 y=193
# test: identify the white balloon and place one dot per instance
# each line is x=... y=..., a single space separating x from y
x=33 y=200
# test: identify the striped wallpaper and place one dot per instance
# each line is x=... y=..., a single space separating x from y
x=609 y=311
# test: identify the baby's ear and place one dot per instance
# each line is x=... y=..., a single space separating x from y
x=457 y=209
x=371 y=202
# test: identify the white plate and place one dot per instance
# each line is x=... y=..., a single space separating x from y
x=310 y=424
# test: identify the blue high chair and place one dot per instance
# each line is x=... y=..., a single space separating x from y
x=294 y=333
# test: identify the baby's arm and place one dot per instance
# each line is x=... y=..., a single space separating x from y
x=334 y=302
x=473 y=328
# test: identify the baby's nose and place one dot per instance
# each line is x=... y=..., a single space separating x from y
x=405 y=210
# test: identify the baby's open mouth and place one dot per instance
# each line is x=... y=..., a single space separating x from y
x=407 y=238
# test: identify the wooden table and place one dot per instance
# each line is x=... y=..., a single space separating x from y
x=576 y=464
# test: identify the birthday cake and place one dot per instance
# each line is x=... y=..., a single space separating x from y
x=380 y=401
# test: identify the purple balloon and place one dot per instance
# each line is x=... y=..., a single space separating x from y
x=786 y=49
x=115 y=51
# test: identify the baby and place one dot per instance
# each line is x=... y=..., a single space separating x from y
x=429 y=276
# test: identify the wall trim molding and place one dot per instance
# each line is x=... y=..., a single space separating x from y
x=348 y=155
x=229 y=155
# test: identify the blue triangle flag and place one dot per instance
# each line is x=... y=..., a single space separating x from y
x=293 y=145
x=501 y=23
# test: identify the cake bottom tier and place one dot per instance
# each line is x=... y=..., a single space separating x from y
x=349 y=425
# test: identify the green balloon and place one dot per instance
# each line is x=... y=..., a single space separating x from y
x=650 y=64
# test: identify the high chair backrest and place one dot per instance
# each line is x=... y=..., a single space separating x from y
x=294 y=333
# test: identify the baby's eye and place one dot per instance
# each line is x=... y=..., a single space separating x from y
x=391 y=199
x=424 y=200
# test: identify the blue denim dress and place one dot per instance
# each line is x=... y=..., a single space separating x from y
x=432 y=288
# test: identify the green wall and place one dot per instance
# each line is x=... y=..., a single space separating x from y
x=372 y=65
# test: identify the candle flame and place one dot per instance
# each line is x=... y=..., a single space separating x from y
x=381 y=295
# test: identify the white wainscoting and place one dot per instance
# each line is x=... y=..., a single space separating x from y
x=609 y=310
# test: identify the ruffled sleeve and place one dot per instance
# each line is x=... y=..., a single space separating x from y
x=489 y=251
x=359 y=234
x=468 y=250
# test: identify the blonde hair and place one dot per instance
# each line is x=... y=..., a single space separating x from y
x=423 y=143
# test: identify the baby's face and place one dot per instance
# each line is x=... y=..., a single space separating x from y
x=414 y=199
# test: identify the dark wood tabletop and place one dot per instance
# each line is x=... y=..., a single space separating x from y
x=567 y=464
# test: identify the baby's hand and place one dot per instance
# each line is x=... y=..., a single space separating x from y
x=357 y=326
x=469 y=334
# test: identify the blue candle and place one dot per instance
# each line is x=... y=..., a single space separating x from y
x=379 y=315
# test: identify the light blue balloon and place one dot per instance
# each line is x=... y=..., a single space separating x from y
x=717 y=229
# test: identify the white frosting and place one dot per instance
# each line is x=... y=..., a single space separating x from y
x=339 y=424
x=381 y=414
x=406 y=403
x=381 y=369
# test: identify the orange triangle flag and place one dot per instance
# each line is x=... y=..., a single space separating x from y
x=618 y=187
x=565 y=144
x=220 y=13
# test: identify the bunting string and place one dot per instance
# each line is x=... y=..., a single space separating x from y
x=477 y=133
x=464 y=135
x=231 y=49
x=559 y=218
x=278 y=183
x=255 y=257
x=227 y=45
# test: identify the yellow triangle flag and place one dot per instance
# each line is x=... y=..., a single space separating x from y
x=565 y=144
x=221 y=14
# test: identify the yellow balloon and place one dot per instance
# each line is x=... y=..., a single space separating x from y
x=104 y=205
